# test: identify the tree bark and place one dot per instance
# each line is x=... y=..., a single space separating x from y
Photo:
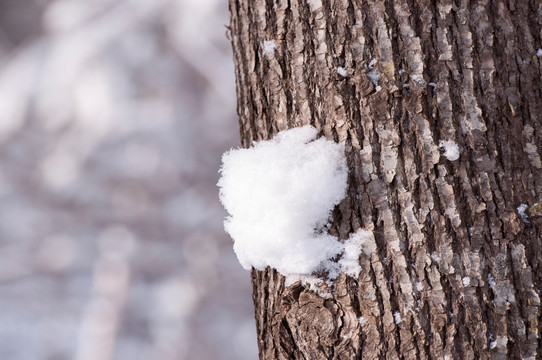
x=458 y=268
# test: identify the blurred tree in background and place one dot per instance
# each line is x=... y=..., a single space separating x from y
x=110 y=228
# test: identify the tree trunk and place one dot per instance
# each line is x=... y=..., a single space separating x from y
x=458 y=267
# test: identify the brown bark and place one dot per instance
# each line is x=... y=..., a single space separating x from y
x=457 y=272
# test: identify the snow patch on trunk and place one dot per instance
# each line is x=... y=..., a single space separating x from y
x=280 y=194
x=450 y=148
x=269 y=47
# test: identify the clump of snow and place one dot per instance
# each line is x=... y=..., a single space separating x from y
x=491 y=281
x=269 y=47
x=279 y=195
x=342 y=71
x=418 y=79
x=374 y=77
x=466 y=281
x=361 y=321
x=539 y=52
x=433 y=87
x=450 y=148
x=521 y=211
x=397 y=318
x=349 y=262
x=492 y=342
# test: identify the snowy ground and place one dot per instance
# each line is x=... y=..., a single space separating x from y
x=113 y=116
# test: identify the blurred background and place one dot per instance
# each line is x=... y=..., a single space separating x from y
x=113 y=117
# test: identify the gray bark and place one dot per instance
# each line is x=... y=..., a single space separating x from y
x=458 y=271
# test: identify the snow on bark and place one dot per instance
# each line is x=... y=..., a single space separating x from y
x=280 y=194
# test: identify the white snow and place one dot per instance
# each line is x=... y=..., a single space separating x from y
x=521 y=211
x=349 y=262
x=397 y=318
x=493 y=345
x=315 y=5
x=491 y=281
x=418 y=79
x=269 y=47
x=539 y=52
x=361 y=321
x=374 y=77
x=466 y=281
x=342 y=71
x=450 y=148
x=279 y=195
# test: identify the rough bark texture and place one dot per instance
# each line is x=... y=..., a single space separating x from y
x=457 y=272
